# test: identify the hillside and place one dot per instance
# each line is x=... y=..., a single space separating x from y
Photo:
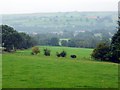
x=62 y=21
x=21 y=69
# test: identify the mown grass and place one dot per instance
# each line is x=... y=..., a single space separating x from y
x=22 y=70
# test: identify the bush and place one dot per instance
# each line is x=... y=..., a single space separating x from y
x=46 y=52
x=62 y=54
x=35 y=50
x=101 y=52
x=73 y=56
x=58 y=54
x=32 y=53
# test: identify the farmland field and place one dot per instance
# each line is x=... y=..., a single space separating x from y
x=23 y=70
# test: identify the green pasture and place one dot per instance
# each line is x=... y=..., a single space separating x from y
x=23 y=70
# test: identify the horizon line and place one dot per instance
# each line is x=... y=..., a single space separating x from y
x=53 y=12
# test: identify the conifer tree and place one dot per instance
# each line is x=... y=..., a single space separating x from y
x=115 y=45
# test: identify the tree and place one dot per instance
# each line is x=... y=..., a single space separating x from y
x=101 y=52
x=64 y=43
x=54 y=41
x=10 y=37
x=109 y=53
x=72 y=43
x=115 y=45
x=27 y=41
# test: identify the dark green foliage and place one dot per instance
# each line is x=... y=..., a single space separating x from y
x=58 y=54
x=109 y=53
x=27 y=41
x=13 y=40
x=82 y=40
x=115 y=45
x=35 y=50
x=46 y=52
x=101 y=52
x=62 y=54
x=64 y=43
x=10 y=38
x=73 y=56
x=32 y=53
x=72 y=43
x=54 y=41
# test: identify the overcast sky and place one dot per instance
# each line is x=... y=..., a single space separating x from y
x=37 y=6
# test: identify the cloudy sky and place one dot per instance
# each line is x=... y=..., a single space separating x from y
x=37 y=6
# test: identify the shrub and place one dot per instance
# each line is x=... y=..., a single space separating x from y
x=35 y=50
x=101 y=52
x=73 y=56
x=46 y=52
x=63 y=54
x=32 y=53
x=58 y=54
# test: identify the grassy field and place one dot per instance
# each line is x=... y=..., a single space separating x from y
x=0 y=71
x=21 y=69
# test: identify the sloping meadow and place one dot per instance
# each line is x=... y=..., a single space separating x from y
x=23 y=70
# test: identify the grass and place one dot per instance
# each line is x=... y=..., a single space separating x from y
x=22 y=70
x=0 y=70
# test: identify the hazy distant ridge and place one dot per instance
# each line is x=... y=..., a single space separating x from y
x=69 y=21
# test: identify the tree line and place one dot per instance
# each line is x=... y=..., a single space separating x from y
x=80 y=41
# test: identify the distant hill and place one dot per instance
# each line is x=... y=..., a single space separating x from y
x=62 y=21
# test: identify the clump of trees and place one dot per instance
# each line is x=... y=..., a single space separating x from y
x=35 y=50
x=109 y=53
x=83 y=40
x=12 y=40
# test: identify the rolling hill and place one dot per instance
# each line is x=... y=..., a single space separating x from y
x=23 y=70
x=62 y=21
